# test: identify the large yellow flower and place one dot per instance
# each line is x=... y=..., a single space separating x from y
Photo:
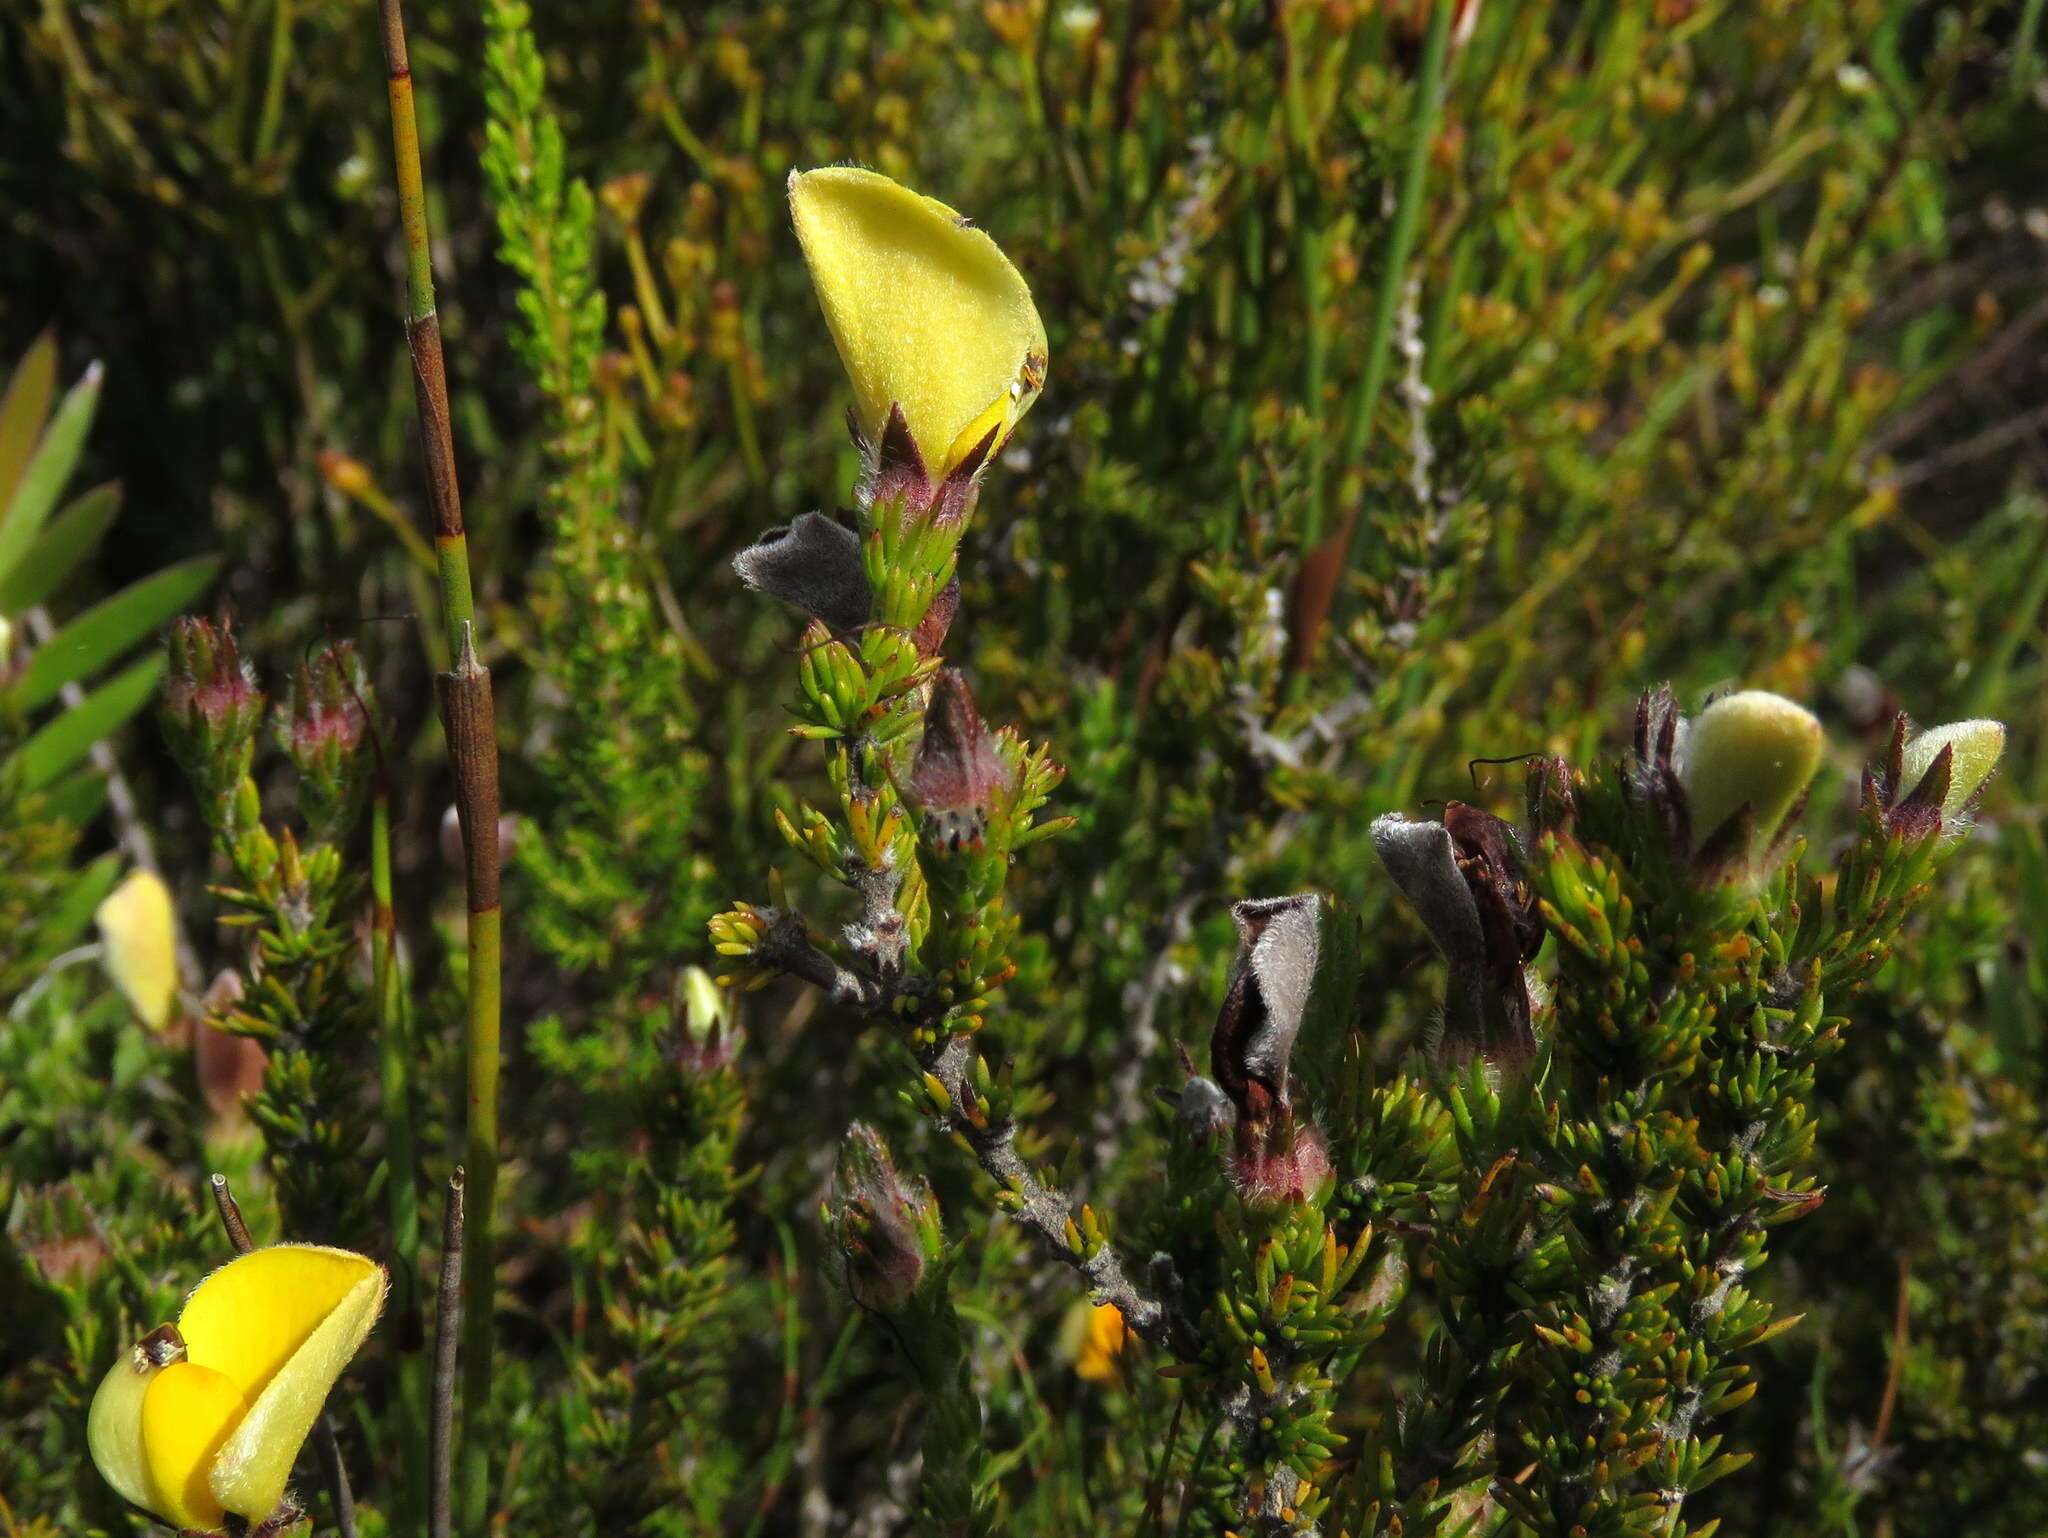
x=206 y=1417
x=928 y=313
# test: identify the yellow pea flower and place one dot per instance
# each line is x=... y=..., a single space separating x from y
x=206 y=1417
x=927 y=312
x=1098 y=1339
x=135 y=932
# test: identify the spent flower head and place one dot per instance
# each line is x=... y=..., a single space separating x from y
x=1464 y=877
x=1278 y=1157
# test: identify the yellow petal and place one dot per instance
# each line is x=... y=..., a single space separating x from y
x=280 y=1324
x=927 y=311
x=135 y=931
x=113 y=1427
x=1107 y=1336
x=188 y=1412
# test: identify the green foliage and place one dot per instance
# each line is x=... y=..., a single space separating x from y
x=1381 y=438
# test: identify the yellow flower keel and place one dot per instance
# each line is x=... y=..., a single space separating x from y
x=187 y=1414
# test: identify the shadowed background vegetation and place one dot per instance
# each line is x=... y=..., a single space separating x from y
x=1716 y=359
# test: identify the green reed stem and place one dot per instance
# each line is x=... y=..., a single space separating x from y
x=469 y=717
x=1429 y=101
x=400 y=1170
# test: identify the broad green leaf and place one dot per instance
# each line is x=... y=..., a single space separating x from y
x=76 y=799
x=22 y=410
x=71 y=536
x=66 y=740
x=42 y=482
x=106 y=630
x=73 y=910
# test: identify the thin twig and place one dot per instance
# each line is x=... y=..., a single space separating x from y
x=327 y=1448
x=1901 y=1317
x=231 y=1216
x=447 y=1333
x=1045 y=1209
x=1993 y=440
x=1422 y=126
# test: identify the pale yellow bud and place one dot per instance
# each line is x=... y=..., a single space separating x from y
x=1753 y=748
x=1974 y=750
x=138 y=947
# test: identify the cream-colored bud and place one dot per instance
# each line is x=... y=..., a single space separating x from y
x=1754 y=749
x=1974 y=750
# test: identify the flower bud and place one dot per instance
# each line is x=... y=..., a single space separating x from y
x=139 y=946
x=322 y=724
x=1747 y=754
x=886 y=1227
x=211 y=711
x=930 y=318
x=955 y=783
x=1973 y=749
x=707 y=1032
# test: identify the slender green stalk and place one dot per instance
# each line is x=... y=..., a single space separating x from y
x=1429 y=101
x=469 y=717
x=447 y=1326
x=401 y=1180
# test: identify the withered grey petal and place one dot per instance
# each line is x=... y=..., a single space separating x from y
x=1280 y=939
x=1418 y=855
x=1203 y=1108
x=814 y=565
